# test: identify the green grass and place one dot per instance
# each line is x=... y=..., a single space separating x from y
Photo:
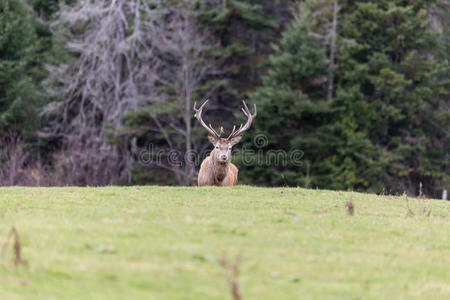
x=166 y=243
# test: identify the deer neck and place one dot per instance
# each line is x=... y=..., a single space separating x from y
x=220 y=171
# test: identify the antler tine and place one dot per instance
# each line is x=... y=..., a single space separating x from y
x=198 y=116
x=215 y=132
x=247 y=111
x=247 y=125
x=245 y=108
x=232 y=131
x=201 y=106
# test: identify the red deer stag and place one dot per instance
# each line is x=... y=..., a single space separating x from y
x=217 y=168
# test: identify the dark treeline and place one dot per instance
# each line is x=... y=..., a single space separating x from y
x=350 y=94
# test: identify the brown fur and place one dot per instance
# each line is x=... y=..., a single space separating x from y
x=214 y=170
x=217 y=175
x=217 y=168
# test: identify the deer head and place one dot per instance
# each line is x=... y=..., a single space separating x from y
x=221 y=153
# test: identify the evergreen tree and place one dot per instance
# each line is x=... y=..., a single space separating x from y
x=384 y=126
x=394 y=68
x=244 y=31
x=293 y=113
x=17 y=89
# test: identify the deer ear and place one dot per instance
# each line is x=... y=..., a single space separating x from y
x=212 y=139
x=235 y=140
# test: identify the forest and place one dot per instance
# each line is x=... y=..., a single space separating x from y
x=353 y=93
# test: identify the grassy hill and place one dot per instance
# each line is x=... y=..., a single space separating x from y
x=170 y=243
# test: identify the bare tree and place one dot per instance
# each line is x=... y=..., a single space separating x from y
x=333 y=35
x=13 y=158
x=108 y=77
x=185 y=48
x=326 y=13
x=19 y=167
x=129 y=55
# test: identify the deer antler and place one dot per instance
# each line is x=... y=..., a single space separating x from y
x=247 y=125
x=198 y=116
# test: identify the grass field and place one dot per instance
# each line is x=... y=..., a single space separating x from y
x=167 y=243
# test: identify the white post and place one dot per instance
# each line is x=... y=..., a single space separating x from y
x=444 y=194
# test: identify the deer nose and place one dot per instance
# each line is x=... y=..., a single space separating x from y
x=223 y=157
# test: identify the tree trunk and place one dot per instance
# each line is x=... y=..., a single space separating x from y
x=188 y=159
x=332 y=53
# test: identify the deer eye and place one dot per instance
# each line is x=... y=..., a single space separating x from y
x=217 y=147
x=229 y=148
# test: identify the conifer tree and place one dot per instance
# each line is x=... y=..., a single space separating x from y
x=17 y=89
x=394 y=70
x=384 y=126
x=244 y=31
x=293 y=113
